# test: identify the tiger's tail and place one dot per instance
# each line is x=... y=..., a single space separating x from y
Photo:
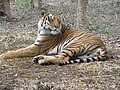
x=85 y=60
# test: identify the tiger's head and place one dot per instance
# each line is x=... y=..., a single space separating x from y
x=50 y=24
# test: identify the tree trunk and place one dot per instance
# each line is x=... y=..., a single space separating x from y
x=32 y=5
x=1 y=8
x=81 y=14
x=5 y=8
x=39 y=4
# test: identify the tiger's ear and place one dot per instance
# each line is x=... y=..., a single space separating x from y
x=43 y=11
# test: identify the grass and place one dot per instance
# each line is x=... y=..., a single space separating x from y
x=21 y=74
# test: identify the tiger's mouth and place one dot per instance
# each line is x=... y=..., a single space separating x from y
x=49 y=31
x=54 y=31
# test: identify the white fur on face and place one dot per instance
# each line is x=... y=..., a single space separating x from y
x=51 y=16
x=43 y=27
x=55 y=31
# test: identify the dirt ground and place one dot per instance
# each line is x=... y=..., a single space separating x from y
x=22 y=74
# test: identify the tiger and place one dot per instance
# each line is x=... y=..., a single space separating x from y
x=58 y=43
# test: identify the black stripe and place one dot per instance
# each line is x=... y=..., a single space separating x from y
x=88 y=60
x=38 y=41
x=93 y=59
x=60 y=64
x=69 y=40
x=99 y=58
x=43 y=21
x=79 y=51
x=70 y=51
x=80 y=36
x=60 y=46
x=90 y=50
x=81 y=60
x=43 y=45
x=75 y=44
x=94 y=48
x=89 y=47
x=74 y=50
x=70 y=62
x=104 y=57
x=43 y=34
x=82 y=49
x=65 y=63
x=58 y=49
x=74 y=61
x=66 y=54
x=71 y=47
x=37 y=45
x=42 y=40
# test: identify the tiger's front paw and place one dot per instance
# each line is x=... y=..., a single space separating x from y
x=44 y=62
x=37 y=58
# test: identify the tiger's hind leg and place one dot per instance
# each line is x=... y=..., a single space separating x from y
x=97 y=52
x=98 y=55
